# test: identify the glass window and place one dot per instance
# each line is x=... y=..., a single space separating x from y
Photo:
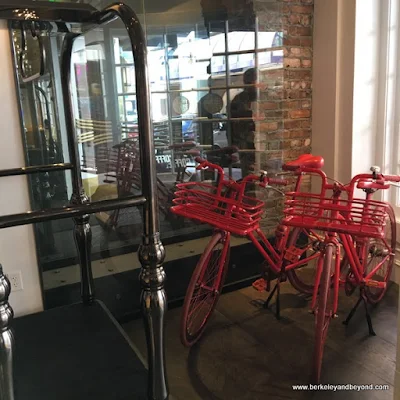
x=215 y=77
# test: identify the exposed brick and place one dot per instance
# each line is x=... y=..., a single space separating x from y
x=273 y=94
x=293 y=154
x=306 y=41
x=305 y=20
x=296 y=51
x=276 y=135
x=274 y=114
x=272 y=75
x=292 y=124
x=286 y=102
x=300 y=30
x=294 y=84
x=303 y=74
x=269 y=105
x=268 y=126
x=290 y=105
x=304 y=9
x=299 y=114
x=292 y=62
x=298 y=94
x=284 y=20
x=295 y=19
x=275 y=145
x=299 y=133
x=292 y=41
x=303 y=94
x=304 y=30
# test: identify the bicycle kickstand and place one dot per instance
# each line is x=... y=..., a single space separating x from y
x=276 y=289
x=363 y=299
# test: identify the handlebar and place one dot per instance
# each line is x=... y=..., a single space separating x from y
x=391 y=178
x=204 y=164
x=263 y=179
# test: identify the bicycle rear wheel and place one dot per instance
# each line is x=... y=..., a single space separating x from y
x=381 y=251
x=323 y=311
x=304 y=243
x=205 y=288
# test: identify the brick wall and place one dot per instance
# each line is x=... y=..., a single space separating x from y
x=285 y=100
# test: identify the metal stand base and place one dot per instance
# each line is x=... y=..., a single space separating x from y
x=277 y=289
x=363 y=299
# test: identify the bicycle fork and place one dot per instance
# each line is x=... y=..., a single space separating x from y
x=335 y=277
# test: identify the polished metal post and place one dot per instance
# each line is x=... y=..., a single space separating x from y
x=7 y=340
x=82 y=229
x=151 y=252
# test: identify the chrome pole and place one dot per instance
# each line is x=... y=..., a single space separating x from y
x=82 y=229
x=151 y=252
x=7 y=340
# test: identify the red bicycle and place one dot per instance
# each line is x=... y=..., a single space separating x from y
x=226 y=207
x=356 y=239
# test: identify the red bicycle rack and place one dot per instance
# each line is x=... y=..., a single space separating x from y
x=202 y=202
x=358 y=217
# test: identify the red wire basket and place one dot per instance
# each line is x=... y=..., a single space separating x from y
x=203 y=202
x=358 y=217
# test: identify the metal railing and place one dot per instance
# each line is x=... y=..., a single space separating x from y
x=151 y=252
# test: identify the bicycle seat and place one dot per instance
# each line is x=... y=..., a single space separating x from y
x=229 y=150
x=182 y=146
x=304 y=161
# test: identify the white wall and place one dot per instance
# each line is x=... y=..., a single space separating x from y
x=365 y=85
x=17 y=245
x=333 y=67
x=347 y=104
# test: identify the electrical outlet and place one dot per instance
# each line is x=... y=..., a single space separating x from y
x=15 y=279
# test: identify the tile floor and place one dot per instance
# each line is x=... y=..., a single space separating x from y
x=247 y=354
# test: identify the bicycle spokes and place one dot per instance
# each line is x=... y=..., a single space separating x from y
x=205 y=291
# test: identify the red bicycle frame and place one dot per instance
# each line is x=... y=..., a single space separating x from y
x=226 y=207
x=354 y=243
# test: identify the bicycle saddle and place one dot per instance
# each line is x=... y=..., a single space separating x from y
x=182 y=146
x=229 y=150
x=304 y=161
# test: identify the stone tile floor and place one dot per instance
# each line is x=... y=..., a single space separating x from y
x=247 y=354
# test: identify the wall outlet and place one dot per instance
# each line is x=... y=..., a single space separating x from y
x=15 y=279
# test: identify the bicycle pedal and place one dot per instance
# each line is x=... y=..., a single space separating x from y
x=260 y=285
x=335 y=316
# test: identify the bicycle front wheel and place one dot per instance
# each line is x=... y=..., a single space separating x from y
x=380 y=252
x=205 y=288
x=323 y=311
x=304 y=243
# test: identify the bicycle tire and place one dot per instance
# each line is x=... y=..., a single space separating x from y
x=323 y=313
x=374 y=295
x=191 y=329
x=296 y=276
